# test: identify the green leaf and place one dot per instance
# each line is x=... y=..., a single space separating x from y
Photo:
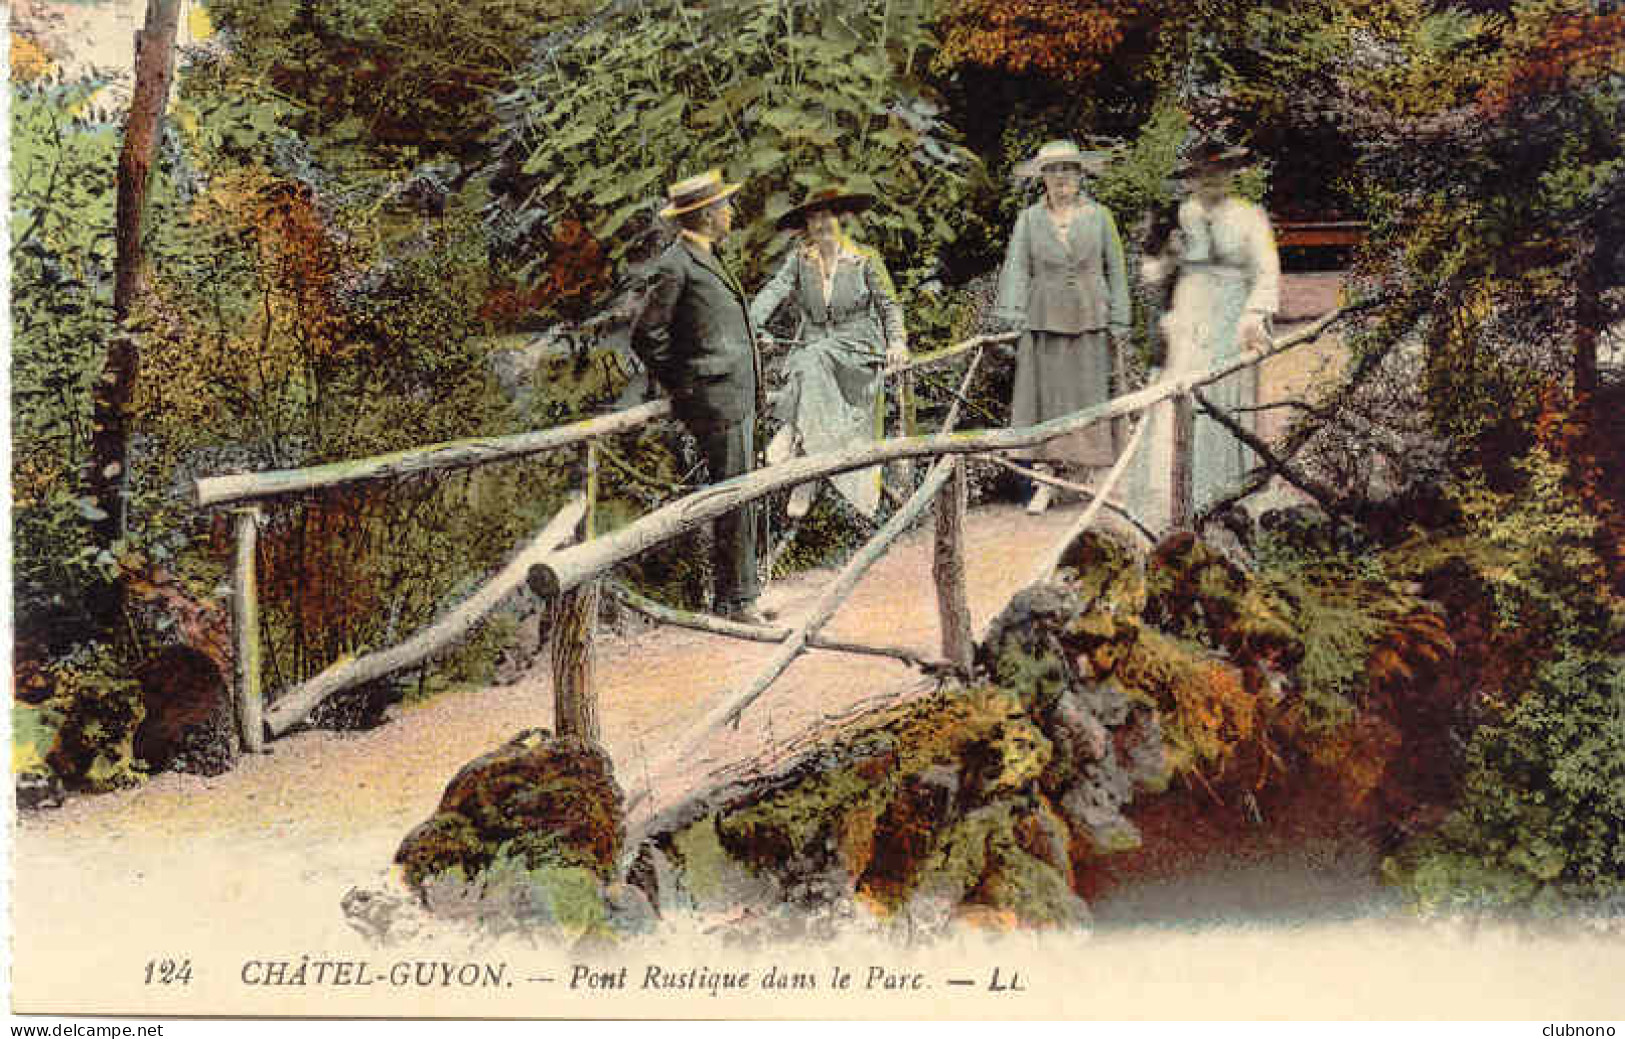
x=781 y=119
x=611 y=192
x=672 y=109
x=574 y=137
x=777 y=205
x=618 y=219
x=891 y=138
x=548 y=188
x=760 y=160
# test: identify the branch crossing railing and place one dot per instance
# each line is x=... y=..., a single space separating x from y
x=565 y=563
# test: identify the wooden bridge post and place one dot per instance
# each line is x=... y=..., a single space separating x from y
x=1181 y=505
x=907 y=421
x=245 y=616
x=575 y=618
x=948 y=570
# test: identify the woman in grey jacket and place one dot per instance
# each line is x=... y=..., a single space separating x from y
x=849 y=325
x=1064 y=287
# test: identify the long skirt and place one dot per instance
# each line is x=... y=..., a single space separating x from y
x=1201 y=330
x=1057 y=375
x=831 y=398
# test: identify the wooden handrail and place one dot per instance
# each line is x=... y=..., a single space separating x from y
x=568 y=568
x=551 y=570
x=459 y=454
x=454 y=454
x=950 y=352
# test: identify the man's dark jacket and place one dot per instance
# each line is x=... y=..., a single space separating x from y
x=695 y=336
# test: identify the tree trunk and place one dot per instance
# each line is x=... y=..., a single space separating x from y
x=109 y=443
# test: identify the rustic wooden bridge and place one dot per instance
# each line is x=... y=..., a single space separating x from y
x=566 y=564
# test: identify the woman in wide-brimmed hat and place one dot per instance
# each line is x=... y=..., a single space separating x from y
x=1064 y=287
x=848 y=325
x=1226 y=290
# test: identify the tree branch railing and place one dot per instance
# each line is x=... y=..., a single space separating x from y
x=258 y=721
x=453 y=454
x=552 y=565
x=570 y=566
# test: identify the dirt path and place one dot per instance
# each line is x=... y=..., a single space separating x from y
x=269 y=848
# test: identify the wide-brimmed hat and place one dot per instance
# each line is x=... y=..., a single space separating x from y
x=1057 y=153
x=697 y=192
x=832 y=199
x=1212 y=157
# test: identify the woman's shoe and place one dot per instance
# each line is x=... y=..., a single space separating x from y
x=782 y=446
x=1040 y=502
x=1043 y=493
x=801 y=500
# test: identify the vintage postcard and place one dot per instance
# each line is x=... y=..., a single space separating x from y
x=796 y=509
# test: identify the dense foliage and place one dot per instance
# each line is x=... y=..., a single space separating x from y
x=63 y=152
x=412 y=73
x=781 y=96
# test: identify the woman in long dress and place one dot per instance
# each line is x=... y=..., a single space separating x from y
x=1064 y=286
x=1224 y=299
x=849 y=325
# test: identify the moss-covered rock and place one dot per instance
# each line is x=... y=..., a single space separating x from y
x=543 y=802
x=1195 y=592
x=189 y=722
x=440 y=844
x=553 y=795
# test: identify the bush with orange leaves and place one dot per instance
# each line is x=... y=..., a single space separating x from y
x=248 y=339
x=1064 y=40
x=29 y=61
x=575 y=273
x=1291 y=665
x=1556 y=47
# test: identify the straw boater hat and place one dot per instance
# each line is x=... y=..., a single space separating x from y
x=1212 y=157
x=832 y=199
x=1057 y=153
x=697 y=192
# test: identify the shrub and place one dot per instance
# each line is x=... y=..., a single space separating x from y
x=1542 y=813
x=99 y=705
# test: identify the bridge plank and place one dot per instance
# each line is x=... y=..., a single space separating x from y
x=730 y=709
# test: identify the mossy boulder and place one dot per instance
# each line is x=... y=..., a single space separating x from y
x=100 y=707
x=541 y=802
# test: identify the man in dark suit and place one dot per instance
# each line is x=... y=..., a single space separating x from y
x=694 y=334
